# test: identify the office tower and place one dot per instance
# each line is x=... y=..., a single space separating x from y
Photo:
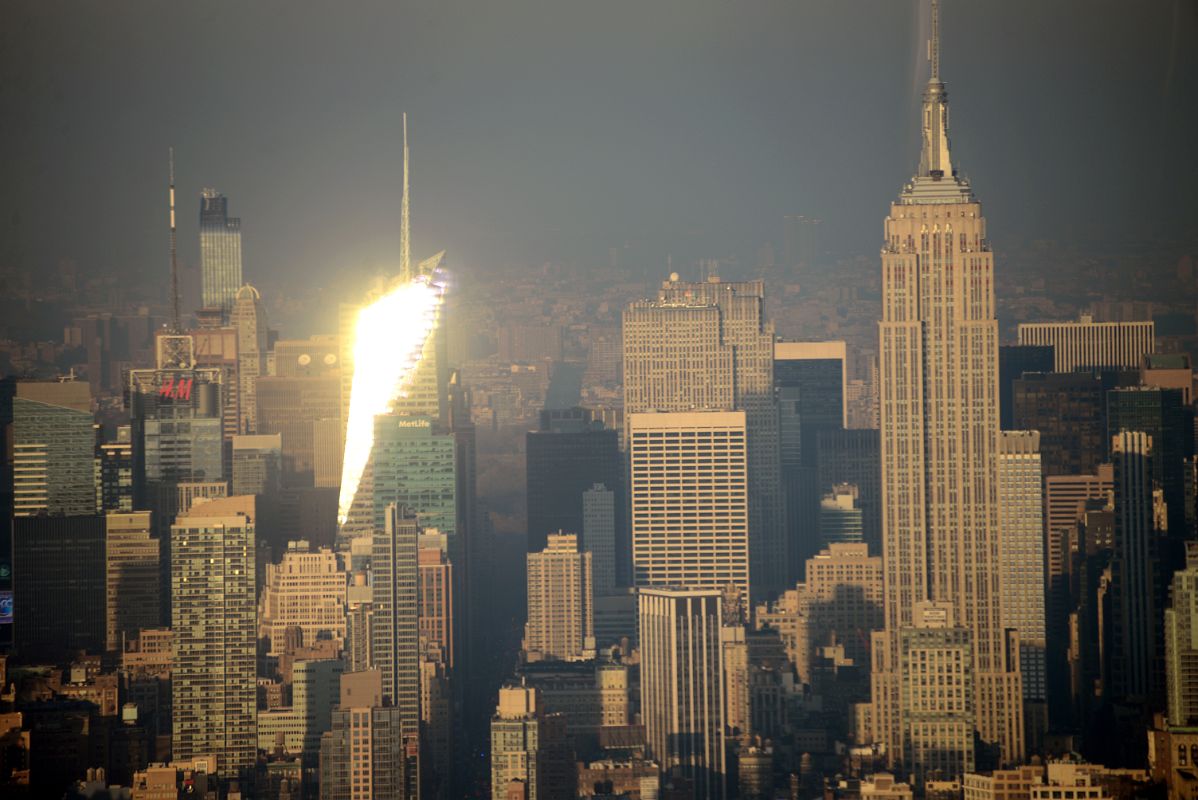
x=1169 y=424
x=708 y=346
x=215 y=348
x=292 y=407
x=414 y=463
x=530 y=751
x=175 y=415
x=840 y=516
x=248 y=318
x=1021 y=561
x=305 y=590
x=213 y=686
x=599 y=536
x=1091 y=345
x=1065 y=507
x=690 y=497
x=1013 y=361
x=53 y=449
x=840 y=602
x=1169 y=371
x=395 y=624
x=1181 y=644
x=682 y=692
x=133 y=577
x=328 y=447
x=315 y=691
x=220 y=252
x=561 y=623
x=364 y=755
x=116 y=472
x=939 y=405
x=257 y=463
x=1132 y=605
x=436 y=728
x=566 y=457
x=435 y=600
x=1069 y=411
x=854 y=457
x=810 y=378
x=58 y=586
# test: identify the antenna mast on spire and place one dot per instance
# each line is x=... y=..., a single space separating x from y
x=934 y=42
x=174 y=252
x=405 y=233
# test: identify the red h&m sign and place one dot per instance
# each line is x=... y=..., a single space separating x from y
x=172 y=389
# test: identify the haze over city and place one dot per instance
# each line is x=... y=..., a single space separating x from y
x=535 y=401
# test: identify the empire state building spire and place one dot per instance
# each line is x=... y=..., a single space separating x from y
x=935 y=161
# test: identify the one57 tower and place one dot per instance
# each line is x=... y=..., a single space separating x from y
x=938 y=342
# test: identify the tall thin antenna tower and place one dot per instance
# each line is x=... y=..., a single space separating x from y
x=934 y=42
x=175 y=328
x=405 y=231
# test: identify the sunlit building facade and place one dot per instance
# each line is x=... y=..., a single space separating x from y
x=220 y=252
x=940 y=424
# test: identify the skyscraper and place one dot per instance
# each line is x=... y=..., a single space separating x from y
x=294 y=406
x=853 y=457
x=810 y=378
x=690 y=497
x=214 y=691
x=1013 y=362
x=415 y=466
x=566 y=457
x=133 y=577
x=1089 y=345
x=364 y=755
x=939 y=407
x=257 y=463
x=58 y=581
x=561 y=622
x=53 y=449
x=220 y=252
x=305 y=590
x=709 y=346
x=682 y=685
x=1069 y=411
x=599 y=535
x=395 y=631
x=1021 y=559
x=248 y=318
x=1181 y=644
x=1133 y=609
x=116 y=472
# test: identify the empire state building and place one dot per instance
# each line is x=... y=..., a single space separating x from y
x=944 y=667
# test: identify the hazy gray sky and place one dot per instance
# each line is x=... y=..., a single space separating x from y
x=556 y=129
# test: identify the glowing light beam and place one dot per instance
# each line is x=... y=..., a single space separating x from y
x=389 y=338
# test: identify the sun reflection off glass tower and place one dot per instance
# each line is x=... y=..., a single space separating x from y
x=394 y=365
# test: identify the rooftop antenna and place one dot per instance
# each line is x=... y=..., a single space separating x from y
x=174 y=252
x=934 y=42
x=405 y=234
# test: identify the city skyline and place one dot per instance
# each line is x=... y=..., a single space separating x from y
x=653 y=485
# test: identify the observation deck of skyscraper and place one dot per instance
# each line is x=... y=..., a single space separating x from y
x=517 y=401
